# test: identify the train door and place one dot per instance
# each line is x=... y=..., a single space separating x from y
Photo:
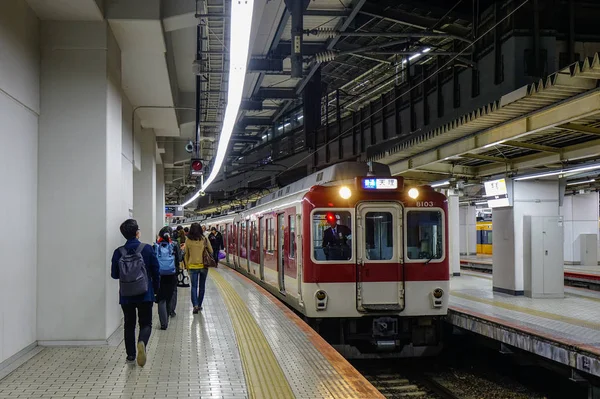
x=226 y=243
x=248 y=242
x=261 y=248
x=298 y=251
x=280 y=251
x=380 y=283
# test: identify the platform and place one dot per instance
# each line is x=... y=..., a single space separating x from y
x=564 y=330
x=574 y=275
x=244 y=344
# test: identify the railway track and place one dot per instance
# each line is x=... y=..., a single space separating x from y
x=396 y=386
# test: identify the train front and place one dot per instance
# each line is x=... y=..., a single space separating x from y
x=376 y=274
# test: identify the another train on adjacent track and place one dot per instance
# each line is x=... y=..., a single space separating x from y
x=362 y=257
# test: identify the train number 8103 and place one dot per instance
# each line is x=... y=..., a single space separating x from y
x=425 y=204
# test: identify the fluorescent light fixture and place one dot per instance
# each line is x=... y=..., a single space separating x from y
x=264 y=137
x=301 y=117
x=280 y=128
x=559 y=172
x=581 y=182
x=287 y=124
x=481 y=203
x=428 y=49
x=239 y=45
x=412 y=57
x=493 y=144
x=440 y=184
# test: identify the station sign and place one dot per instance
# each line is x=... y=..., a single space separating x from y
x=497 y=193
x=369 y=183
x=173 y=211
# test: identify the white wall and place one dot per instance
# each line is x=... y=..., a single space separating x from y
x=19 y=111
x=144 y=187
x=580 y=214
x=468 y=230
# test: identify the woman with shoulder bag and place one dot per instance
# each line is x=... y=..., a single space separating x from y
x=198 y=257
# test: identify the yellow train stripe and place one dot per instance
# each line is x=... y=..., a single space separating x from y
x=264 y=376
x=539 y=313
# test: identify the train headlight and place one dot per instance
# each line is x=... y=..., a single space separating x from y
x=321 y=297
x=345 y=192
x=413 y=193
x=436 y=297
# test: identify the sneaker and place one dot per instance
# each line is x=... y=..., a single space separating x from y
x=195 y=311
x=200 y=307
x=163 y=327
x=172 y=314
x=130 y=359
x=141 y=358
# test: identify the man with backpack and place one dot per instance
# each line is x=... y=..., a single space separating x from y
x=169 y=255
x=136 y=267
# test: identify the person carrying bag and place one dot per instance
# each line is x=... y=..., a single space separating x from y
x=198 y=258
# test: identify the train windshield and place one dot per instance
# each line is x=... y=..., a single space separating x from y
x=379 y=236
x=424 y=232
x=332 y=235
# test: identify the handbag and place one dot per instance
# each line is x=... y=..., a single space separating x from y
x=207 y=258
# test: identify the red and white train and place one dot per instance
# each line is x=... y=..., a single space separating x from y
x=362 y=257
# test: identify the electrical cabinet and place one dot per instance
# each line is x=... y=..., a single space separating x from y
x=588 y=247
x=543 y=257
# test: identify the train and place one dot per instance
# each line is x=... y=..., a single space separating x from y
x=361 y=257
x=484 y=234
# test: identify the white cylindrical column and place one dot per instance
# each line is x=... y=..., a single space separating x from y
x=144 y=187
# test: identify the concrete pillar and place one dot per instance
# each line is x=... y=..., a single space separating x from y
x=531 y=198
x=468 y=230
x=453 y=234
x=580 y=214
x=80 y=206
x=160 y=197
x=144 y=187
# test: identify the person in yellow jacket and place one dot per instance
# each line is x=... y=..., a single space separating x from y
x=195 y=244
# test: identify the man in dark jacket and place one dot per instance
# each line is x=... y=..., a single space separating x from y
x=335 y=240
x=216 y=242
x=143 y=302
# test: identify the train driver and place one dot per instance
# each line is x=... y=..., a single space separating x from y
x=335 y=240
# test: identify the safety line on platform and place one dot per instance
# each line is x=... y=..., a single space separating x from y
x=264 y=376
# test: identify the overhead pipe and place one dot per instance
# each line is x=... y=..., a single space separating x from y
x=332 y=33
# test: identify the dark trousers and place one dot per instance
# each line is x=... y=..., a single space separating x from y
x=167 y=298
x=144 y=315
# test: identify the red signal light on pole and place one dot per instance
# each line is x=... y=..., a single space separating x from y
x=196 y=167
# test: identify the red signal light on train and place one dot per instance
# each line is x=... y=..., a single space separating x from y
x=330 y=217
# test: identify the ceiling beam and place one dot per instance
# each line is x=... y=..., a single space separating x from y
x=530 y=146
x=276 y=93
x=267 y=65
x=581 y=129
x=254 y=121
x=485 y=158
x=327 y=13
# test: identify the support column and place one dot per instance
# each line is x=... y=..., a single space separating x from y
x=468 y=230
x=80 y=190
x=580 y=214
x=160 y=197
x=144 y=187
x=531 y=198
x=453 y=233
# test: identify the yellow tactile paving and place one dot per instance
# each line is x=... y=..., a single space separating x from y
x=264 y=377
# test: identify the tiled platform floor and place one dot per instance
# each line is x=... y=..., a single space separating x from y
x=197 y=357
x=574 y=320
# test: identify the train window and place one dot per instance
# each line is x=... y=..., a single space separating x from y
x=379 y=236
x=270 y=233
x=253 y=236
x=292 y=238
x=332 y=235
x=424 y=232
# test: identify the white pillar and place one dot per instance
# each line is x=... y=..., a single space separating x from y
x=453 y=234
x=580 y=214
x=79 y=192
x=160 y=197
x=531 y=198
x=144 y=187
x=468 y=233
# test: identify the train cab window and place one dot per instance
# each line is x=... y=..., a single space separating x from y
x=253 y=236
x=379 y=236
x=424 y=232
x=292 y=238
x=270 y=235
x=332 y=235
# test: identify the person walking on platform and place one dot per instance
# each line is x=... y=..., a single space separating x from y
x=195 y=246
x=169 y=255
x=136 y=267
x=216 y=241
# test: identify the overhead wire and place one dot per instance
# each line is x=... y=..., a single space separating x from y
x=340 y=135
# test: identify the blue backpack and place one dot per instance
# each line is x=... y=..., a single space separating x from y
x=166 y=258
